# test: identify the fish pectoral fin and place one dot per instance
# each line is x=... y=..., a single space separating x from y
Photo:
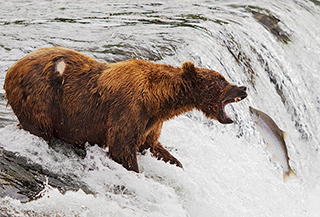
x=284 y=134
x=275 y=159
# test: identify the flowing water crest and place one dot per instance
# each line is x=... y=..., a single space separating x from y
x=272 y=47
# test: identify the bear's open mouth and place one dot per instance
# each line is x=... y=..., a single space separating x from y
x=235 y=94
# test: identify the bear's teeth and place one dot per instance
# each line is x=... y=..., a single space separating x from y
x=237 y=99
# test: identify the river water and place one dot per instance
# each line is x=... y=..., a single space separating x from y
x=272 y=47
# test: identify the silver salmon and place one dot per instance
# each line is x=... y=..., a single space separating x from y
x=274 y=137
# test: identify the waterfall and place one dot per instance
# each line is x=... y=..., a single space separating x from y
x=271 y=47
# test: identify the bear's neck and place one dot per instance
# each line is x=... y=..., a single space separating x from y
x=177 y=97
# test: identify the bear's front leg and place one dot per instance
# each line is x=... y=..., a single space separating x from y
x=162 y=154
x=156 y=148
x=125 y=155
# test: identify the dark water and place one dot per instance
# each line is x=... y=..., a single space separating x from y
x=271 y=47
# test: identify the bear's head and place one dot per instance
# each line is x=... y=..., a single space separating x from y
x=212 y=92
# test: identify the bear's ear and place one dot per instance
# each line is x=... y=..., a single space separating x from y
x=189 y=70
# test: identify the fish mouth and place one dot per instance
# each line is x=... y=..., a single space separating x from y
x=251 y=111
x=253 y=114
x=235 y=94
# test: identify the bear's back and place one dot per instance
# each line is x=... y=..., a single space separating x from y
x=33 y=86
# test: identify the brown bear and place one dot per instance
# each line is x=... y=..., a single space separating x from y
x=58 y=92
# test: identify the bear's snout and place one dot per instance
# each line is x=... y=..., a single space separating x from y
x=242 y=95
x=243 y=88
x=235 y=94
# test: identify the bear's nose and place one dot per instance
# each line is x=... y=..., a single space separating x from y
x=243 y=88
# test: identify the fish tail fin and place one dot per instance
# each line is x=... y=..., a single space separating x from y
x=289 y=175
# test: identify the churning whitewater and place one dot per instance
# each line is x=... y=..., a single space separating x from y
x=271 y=47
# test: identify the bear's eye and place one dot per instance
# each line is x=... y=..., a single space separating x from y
x=222 y=82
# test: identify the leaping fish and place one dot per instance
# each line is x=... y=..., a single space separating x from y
x=274 y=137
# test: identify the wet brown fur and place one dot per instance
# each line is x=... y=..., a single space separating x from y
x=120 y=105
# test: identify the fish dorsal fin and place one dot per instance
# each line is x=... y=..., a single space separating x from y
x=284 y=134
